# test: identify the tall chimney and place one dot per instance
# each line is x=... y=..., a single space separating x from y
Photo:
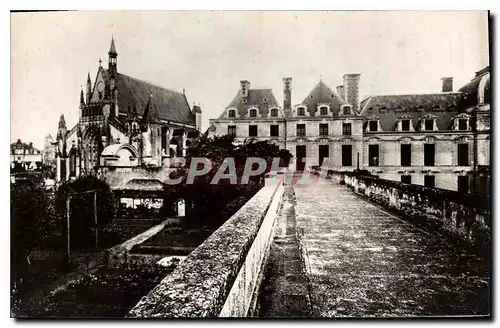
x=244 y=87
x=447 y=85
x=351 y=90
x=287 y=94
x=341 y=91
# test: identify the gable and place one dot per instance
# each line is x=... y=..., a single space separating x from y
x=99 y=82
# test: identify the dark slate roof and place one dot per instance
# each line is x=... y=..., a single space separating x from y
x=22 y=145
x=322 y=94
x=391 y=107
x=470 y=90
x=259 y=98
x=169 y=105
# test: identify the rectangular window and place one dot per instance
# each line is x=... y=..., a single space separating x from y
x=463 y=154
x=346 y=155
x=462 y=124
x=324 y=151
x=323 y=129
x=405 y=155
x=346 y=129
x=373 y=156
x=405 y=125
x=429 y=181
x=252 y=130
x=429 y=124
x=301 y=130
x=373 y=126
x=406 y=179
x=231 y=130
x=275 y=131
x=429 y=154
x=463 y=184
x=347 y=110
x=301 y=111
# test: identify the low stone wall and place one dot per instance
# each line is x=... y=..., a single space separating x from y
x=120 y=255
x=464 y=217
x=221 y=277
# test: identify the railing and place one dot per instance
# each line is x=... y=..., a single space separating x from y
x=463 y=216
x=222 y=276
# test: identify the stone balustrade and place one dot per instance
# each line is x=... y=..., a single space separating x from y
x=462 y=216
x=222 y=276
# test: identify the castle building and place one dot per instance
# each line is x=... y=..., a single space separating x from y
x=124 y=122
x=426 y=139
x=24 y=157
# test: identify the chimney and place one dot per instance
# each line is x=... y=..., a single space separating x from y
x=197 y=113
x=447 y=85
x=341 y=91
x=351 y=90
x=245 y=86
x=287 y=94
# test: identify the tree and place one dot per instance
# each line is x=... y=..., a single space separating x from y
x=213 y=202
x=34 y=223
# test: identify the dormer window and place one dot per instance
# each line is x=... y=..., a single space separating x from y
x=301 y=111
x=405 y=125
x=462 y=124
x=323 y=111
x=231 y=113
x=373 y=126
x=265 y=100
x=253 y=112
x=274 y=112
x=346 y=110
x=429 y=124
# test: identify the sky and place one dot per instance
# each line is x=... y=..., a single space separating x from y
x=207 y=53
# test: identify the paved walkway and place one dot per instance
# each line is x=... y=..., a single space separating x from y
x=361 y=261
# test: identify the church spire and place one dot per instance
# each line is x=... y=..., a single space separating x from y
x=89 y=87
x=146 y=116
x=82 y=99
x=112 y=48
x=112 y=57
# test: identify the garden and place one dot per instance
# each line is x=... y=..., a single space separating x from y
x=39 y=224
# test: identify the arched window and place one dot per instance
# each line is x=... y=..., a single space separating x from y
x=323 y=111
x=231 y=113
x=253 y=113
x=274 y=112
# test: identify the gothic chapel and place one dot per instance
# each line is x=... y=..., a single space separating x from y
x=124 y=122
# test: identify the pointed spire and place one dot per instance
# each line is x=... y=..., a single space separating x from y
x=146 y=115
x=82 y=99
x=89 y=88
x=100 y=62
x=112 y=48
x=62 y=122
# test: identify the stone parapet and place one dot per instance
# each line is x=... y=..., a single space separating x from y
x=221 y=276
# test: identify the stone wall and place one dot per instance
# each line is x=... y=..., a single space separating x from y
x=221 y=276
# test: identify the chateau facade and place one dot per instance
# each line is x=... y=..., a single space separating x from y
x=425 y=139
x=124 y=122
